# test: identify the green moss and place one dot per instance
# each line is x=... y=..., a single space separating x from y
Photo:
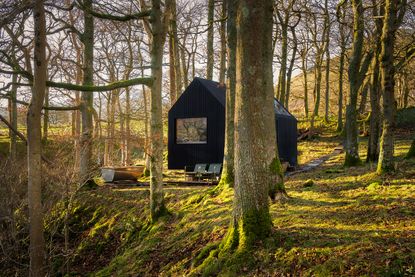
x=231 y=240
x=206 y=252
x=226 y=180
x=146 y=172
x=254 y=226
x=275 y=166
x=374 y=186
x=277 y=187
x=350 y=161
x=308 y=183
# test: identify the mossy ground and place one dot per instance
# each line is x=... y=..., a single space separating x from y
x=350 y=222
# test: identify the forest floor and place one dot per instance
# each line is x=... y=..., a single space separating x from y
x=346 y=222
x=337 y=222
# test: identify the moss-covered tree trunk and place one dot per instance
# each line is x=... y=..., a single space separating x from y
x=34 y=142
x=87 y=97
x=352 y=149
x=210 y=56
x=411 y=152
x=157 y=207
x=390 y=25
x=257 y=166
x=374 y=91
x=227 y=178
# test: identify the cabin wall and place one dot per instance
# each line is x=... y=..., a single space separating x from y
x=196 y=101
x=287 y=138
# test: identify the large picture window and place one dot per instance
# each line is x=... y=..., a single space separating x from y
x=191 y=130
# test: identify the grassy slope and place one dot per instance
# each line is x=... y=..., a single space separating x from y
x=350 y=222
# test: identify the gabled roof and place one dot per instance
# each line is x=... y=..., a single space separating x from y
x=219 y=92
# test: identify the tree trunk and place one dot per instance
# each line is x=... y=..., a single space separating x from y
x=147 y=135
x=340 y=100
x=227 y=178
x=46 y=116
x=352 y=148
x=13 y=118
x=305 y=76
x=127 y=127
x=157 y=207
x=257 y=166
x=283 y=69
x=290 y=68
x=375 y=93
x=172 y=72
x=34 y=137
x=327 y=50
x=411 y=152
x=363 y=97
x=390 y=25
x=87 y=97
x=222 y=66
x=317 y=89
x=210 y=57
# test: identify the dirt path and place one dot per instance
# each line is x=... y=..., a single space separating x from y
x=316 y=162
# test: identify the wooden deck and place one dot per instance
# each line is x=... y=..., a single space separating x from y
x=169 y=183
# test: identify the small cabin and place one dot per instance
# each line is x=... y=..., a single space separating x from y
x=196 y=127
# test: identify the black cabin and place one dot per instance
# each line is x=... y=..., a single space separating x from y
x=196 y=127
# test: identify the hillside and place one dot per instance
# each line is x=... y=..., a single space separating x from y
x=347 y=222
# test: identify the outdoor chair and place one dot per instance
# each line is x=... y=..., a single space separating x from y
x=213 y=172
x=197 y=172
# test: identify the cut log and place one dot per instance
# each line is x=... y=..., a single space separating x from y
x=113 y=174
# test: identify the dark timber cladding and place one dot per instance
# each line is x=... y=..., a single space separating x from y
x=196 y=127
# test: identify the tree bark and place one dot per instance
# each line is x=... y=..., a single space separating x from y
x=284 y=53
x=327 y=50
x=290 y=68
x=411 y=152
x=257 y=166
x=305 y=76
x=175 y=71
x=227 y=178
x=352 y=148
x=390 y=25
x=222 y=65
x=13 y=118
x=86 y=143
x=210 y=57
x=34 y=137
x=341 y=77
x=157 y=207
x=46 y=116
